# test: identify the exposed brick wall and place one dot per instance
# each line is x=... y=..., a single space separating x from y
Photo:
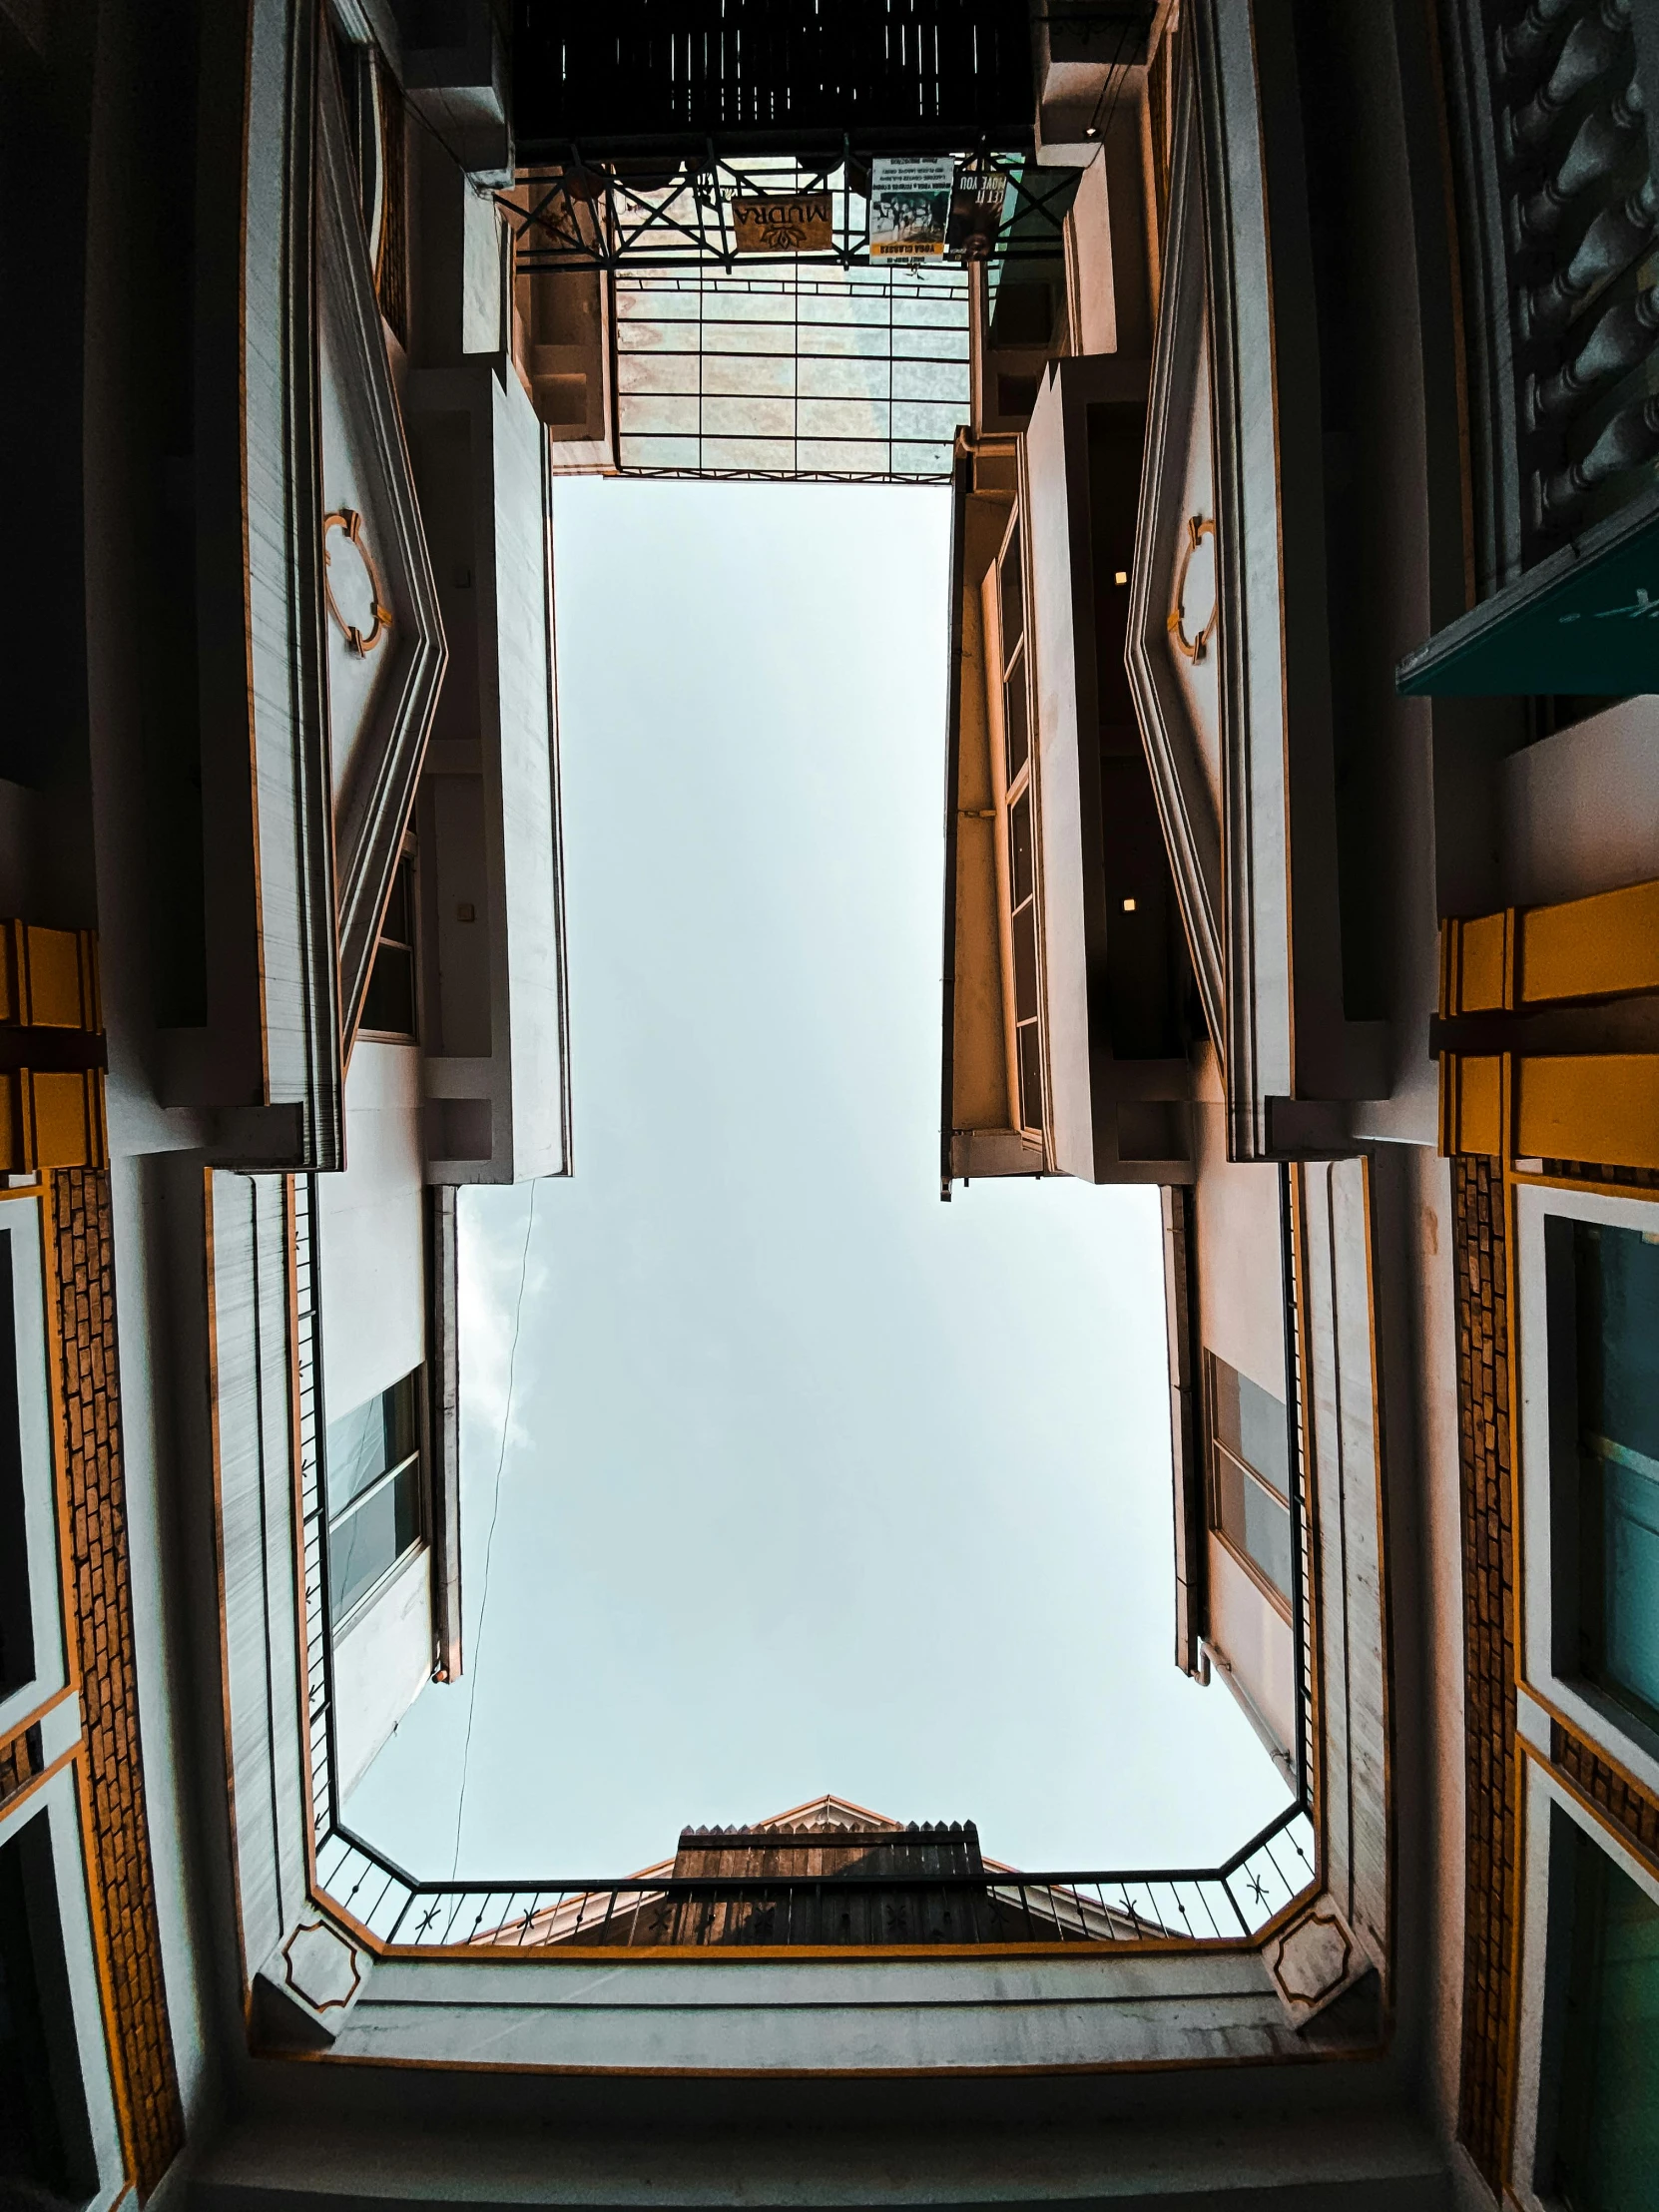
x=102 y=1628
x=20 y=1762
x=1492 y=1809
x=1629 y=1808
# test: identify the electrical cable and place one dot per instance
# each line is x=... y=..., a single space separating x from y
x=489 y=1542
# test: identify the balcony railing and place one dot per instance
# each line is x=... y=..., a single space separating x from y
x=1556 y=124
x=1230 y=1904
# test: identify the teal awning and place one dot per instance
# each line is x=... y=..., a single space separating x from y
x=1585 y=621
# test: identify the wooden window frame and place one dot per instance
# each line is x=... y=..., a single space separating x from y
x=409 y=856
x=1003 y=668
x=421 y=1459
x=1214 y=1453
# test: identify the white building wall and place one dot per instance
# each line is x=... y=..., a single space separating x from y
x=372 y=1260
x=534 y=1029
x=1240 y=1295
x=1580 y=810
x=380 y=1664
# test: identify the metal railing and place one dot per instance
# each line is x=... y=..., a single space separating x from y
x=1557 y=101
x=1230 y=1904
x=935 y=1906
x=1303 y=1618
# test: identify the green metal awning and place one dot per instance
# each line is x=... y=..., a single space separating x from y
x=1585 y=621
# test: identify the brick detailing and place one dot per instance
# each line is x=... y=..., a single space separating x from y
x=117 y=1836
x=1492 y=1813
x=1628 y=1808
x=1586 y=1170
x=20 y=1762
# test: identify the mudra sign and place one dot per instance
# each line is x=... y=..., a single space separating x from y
x=797 y=222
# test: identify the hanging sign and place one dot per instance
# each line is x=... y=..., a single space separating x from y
x=977 y=200
x=910 y=205
x=797 y=222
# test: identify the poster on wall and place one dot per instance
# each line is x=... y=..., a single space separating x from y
x=910 y=205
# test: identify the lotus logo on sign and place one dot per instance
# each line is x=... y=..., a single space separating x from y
x=793 y=224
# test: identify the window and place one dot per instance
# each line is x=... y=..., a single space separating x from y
x=1020 y=831
x=389 y=1001
x=1607 y=2120
x=1250 y=1474
x=44 y=2156
x=17 y=1631
x=1614 y=1326
x=374 y=1492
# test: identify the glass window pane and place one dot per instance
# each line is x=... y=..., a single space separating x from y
x=356 y=1452
x=1617 y=1272
x=1025 y=964
x=1015 y=722
x=1013 y=598
x=372 y=1537
x=1252 y=1423
x=1608 y=2123
x=362 y=1443
x=1267 y=1535
x=1022 y=859
x=1616 y=1285
x=1030 y=1077
x=399 y=921
x=389 y=1001
x=1254 y=1521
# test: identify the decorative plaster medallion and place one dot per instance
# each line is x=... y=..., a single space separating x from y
x=1198 y=527
x=1311 y=1960
x=361 y=641
x=320 y=1966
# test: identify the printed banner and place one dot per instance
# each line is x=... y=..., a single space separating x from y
x=910 y=205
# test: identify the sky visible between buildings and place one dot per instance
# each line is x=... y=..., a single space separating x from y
x=807 y=1482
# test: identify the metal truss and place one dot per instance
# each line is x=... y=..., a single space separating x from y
x=659 y=214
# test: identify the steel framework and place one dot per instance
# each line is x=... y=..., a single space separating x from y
x=587 y=214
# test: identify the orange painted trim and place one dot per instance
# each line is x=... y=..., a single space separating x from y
x=1593 y=1186
x=37 y=1782
x=1632 y=1782
x=1598 y=1813
x=51 y=1302
x=34 y=1719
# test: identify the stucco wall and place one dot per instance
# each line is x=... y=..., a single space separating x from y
x=372 y=1260
x=1580 y=810
x=1239 y=1298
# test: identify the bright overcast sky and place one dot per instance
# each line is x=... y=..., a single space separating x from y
x=810 y=1482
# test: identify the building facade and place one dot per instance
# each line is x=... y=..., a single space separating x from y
x=1302 y=859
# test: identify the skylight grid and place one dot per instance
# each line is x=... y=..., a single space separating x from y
x=852 y=374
